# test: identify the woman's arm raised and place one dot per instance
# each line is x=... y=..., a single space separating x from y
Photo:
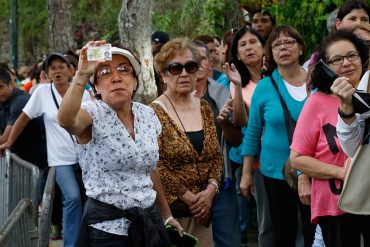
x=71 y=117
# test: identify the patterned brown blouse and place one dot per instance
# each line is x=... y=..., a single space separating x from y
x=179 y=165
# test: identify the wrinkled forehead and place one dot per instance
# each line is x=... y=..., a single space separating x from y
x=116 y=60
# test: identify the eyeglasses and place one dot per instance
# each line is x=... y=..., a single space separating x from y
x=106 y=71
x=176 y=68
x=287 y=44
x=350 y=56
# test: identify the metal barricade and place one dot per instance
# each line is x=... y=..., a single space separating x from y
x=23 y=183
x=4 y=188
x=46 y=210
x=19 y=229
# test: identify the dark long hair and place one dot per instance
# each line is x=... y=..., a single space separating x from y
x=240 y=65
x=322 y=54
x=287 y=31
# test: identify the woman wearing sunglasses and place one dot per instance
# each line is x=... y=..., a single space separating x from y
x=190 y=161
x=315 y=149
x=118 y=151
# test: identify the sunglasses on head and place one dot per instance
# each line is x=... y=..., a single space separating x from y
x=176 y=68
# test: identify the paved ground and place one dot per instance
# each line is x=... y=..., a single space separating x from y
x=252 y=240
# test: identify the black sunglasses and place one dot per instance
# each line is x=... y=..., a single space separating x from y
x=176 y=68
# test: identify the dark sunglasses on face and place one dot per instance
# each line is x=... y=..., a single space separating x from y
x=176 y=68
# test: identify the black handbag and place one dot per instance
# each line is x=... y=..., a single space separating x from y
x=289 y=172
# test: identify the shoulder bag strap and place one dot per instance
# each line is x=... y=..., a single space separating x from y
x=289 y=121
x=282 y=101
x=57 y=105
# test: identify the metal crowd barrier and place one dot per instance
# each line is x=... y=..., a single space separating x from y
x=46 y=210
x=23 y=183
x=4 y=188
x=19 y=210
x=19 y=229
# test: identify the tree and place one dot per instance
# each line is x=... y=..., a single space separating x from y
x=60 y=28
x=134 y=29
x=307 y=16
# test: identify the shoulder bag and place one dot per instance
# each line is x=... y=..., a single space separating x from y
x=355 y=194
x=289 y=172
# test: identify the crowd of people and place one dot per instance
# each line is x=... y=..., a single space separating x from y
x=229 y=115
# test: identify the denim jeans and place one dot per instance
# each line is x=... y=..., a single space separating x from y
x=225 y=221
x=72 y=208
x=244 y=206
x=319 y=241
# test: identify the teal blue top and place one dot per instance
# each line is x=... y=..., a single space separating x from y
x=224 y=80
x=266 y=133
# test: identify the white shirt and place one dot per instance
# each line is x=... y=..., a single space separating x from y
x=350 y=136
x=60 y=147
x=297 y=93
x=116 y=169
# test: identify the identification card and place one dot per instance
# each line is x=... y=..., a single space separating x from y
x=99 y=53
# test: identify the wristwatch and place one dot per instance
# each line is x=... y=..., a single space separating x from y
x=345 y=116
x=215 y=184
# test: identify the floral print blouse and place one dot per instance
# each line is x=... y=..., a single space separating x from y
x=115 y=168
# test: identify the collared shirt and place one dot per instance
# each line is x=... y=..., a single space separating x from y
x=116 y=169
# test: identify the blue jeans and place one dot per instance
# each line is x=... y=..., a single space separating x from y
x=244 y=206
x=72 y=208
x=319 y=241
x=225 y=221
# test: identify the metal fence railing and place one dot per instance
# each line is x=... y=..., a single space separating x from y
x=4 y=188
x=19 y=229
x=21 y=222
x=46 y=210
x=23 y=183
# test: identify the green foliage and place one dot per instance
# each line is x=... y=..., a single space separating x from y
x=4 y=6
x=32 y=29
x=193 y=17
x=93 y=19
x=212 y=22
x=98 y=19
x=307 y=16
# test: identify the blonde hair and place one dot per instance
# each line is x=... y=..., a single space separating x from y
x=169 y=51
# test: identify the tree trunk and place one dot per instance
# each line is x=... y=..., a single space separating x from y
x=60 y=27
x=134 y=24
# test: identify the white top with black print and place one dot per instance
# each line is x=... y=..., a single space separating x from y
x=116 y=169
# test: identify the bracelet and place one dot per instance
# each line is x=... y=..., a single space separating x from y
x=345 y=116
x=80 y=84
x=215 y=184
x=168 y=220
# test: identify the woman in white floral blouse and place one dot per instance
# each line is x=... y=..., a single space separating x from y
x=118 y=152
